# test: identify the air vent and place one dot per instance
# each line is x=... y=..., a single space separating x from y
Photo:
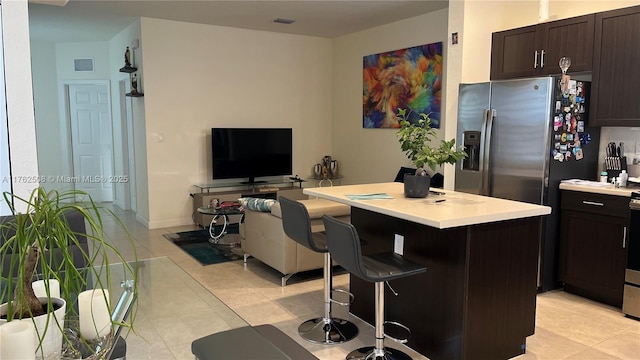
x=83 y=65
x=284 y=21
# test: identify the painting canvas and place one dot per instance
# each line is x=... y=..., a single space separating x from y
x=402 y=79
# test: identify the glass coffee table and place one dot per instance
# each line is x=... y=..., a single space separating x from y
x=223 y=214
x=172 y=310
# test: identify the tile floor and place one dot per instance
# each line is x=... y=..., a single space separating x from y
x=567 y=326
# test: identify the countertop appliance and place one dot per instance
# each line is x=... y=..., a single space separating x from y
x=523 y=136
x=631 y=298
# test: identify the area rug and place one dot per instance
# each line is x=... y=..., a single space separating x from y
x=196 y=243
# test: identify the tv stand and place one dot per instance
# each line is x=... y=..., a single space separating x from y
x=234 y=191
x=252 y=182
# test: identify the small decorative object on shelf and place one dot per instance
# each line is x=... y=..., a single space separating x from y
x=128 y=65
x=134 y=85
x=325 y=170
x=317 y=170
x=127 y=58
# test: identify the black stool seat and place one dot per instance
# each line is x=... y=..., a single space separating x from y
x=262 y=342
x=388 y=266
x=327 y=330
x=344 y=246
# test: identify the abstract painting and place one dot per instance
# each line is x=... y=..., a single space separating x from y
x=402 y=79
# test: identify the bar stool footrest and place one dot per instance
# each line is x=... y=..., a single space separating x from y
x=395 y=323
x=351 y=297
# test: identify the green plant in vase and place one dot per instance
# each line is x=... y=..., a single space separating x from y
x=415 y=139
x=59 y=238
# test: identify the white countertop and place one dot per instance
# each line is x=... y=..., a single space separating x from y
x=606 y=190
x=458 y=209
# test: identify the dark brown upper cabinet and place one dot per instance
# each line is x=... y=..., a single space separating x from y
x=616 y=68
x=535 y=50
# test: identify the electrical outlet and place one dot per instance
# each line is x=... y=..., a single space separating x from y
x=398 y=244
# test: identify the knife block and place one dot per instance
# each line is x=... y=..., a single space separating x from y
x=614 y=165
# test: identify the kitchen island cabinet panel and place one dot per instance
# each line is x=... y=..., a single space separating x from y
x=479 y=287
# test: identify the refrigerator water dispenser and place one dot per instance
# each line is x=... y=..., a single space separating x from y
x=472 y=148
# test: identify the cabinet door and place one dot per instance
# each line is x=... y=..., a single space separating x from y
x=570 y=37
x=616 y=70
x=593 y=256
x=515 y=53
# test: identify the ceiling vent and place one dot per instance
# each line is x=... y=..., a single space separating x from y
x=83 y=65
x=284 y=21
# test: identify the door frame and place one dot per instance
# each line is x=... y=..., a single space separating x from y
x=65 y=121
x=128 y=150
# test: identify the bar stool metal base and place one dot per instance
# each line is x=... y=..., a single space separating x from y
x=335 y=331
x=367 y=353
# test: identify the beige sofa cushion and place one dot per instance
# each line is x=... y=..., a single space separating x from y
x=317 y=208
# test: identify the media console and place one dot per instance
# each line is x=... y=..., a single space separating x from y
x=234 y=191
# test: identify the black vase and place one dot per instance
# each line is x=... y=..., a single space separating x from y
x=416 y=186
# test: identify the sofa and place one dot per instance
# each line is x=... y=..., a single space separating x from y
x=265 y=240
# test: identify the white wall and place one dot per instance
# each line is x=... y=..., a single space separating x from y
x=199 y=76
x=560 y=9
x=67 y=52
x=49 y=127
x=374 y=155
x=22 y=139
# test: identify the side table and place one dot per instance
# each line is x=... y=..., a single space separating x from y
x=223 y=213
x=328 y=179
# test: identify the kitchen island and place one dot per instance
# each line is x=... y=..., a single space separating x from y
x=477 y=298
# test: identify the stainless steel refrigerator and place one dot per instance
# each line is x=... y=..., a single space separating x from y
x=523 y=136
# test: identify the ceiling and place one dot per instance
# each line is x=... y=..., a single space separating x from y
x=100 y=20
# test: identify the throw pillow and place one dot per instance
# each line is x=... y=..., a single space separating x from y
x=257 y=204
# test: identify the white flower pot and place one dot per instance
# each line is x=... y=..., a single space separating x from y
x=52 y=342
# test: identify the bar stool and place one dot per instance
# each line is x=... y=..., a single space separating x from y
x=344 y=246
x=327 y=329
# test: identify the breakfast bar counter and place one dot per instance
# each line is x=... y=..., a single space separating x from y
x=477 y=298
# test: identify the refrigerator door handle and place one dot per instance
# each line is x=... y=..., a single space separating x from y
x=485 y=148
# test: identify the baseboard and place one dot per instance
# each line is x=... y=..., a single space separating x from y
x=142 y=220
x=169 y=223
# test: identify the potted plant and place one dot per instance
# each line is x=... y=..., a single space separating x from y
x=414 y=140
x=59 y=238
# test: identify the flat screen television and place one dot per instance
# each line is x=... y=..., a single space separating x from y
x=251 y=153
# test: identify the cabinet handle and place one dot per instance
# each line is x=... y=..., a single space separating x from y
x=592 y=203
x=541 y=59
x=624 y=237
x=535 y=60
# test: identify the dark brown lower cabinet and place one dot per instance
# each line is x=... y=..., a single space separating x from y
x=593 y=245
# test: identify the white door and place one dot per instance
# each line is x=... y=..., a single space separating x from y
x=91 y=140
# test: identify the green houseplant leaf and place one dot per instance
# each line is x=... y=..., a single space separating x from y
x=415 y=139
x=40 y=243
